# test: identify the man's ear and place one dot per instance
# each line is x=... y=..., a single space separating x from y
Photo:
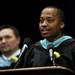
x=19 y=40
x=62 y=25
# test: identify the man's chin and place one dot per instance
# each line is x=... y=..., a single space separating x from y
x=5 y=50
x=45 y=36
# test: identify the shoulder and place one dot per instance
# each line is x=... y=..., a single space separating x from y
x=68 y=42
x=36 y=47
x=37 y=44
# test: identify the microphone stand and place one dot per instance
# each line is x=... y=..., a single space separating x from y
x=52 y=57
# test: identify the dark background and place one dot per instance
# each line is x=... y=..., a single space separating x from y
x=25 y=16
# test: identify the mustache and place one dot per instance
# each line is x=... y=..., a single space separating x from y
x=44 y=29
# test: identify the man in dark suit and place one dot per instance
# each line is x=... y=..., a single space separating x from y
x=56 y=48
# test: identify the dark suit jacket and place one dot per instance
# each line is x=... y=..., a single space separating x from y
x=37 y=56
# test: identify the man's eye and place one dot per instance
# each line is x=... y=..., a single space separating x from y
x=0 y=39
x=41 y=20
x=50 y=19
x=7 y=37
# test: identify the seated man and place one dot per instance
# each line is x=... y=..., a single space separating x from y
x=9 y=46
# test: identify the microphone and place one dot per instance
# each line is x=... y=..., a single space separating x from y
x=26 y=44
x=50 y=48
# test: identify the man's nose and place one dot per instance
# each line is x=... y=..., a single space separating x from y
x=44 y=24
x=3 y=40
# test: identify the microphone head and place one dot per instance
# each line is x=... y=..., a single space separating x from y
x=27 y=41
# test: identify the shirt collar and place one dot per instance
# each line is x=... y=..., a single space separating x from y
x=16 y=53
x=4 y=61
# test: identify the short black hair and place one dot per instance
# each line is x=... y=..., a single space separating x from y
x=60 y=12
x=15 y=30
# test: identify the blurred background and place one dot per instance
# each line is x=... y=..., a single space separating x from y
x=25 y=16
